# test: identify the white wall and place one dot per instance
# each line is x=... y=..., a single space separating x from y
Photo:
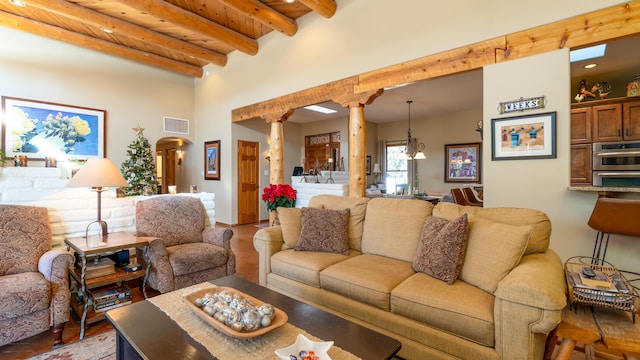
x=542 y=183
x=35 y=68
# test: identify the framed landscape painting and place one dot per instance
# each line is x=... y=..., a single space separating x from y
x=212 y=160
x=41 y=129
x=462 y=162
x=524 y=137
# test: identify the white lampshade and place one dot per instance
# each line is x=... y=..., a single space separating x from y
x=420 y=156
x=98 y=172
x=376 y=168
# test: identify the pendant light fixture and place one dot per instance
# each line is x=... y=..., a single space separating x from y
x=413 y=150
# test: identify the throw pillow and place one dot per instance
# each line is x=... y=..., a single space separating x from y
x=289 y=219
x=324 y=230
x=441 y=248
x=493 y=249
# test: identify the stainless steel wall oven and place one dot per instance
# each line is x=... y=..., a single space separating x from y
x=616 y=163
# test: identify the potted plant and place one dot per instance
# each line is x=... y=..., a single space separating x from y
x=278 y=195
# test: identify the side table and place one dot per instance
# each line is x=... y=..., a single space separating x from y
x=116 y=241
x=588 y=325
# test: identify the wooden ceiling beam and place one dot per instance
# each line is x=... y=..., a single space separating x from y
x=326 y=8
x=283 y=104
x=453 y=61
x=120 y=27
x=188 y=20
x=614 y=22
x=264 y=15
x=56 y=33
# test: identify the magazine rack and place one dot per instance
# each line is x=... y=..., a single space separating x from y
x=598 y=297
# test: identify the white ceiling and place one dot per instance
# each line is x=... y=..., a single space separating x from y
x=461 y=92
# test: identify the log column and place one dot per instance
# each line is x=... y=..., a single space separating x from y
x=358 y=139
x=276 y=148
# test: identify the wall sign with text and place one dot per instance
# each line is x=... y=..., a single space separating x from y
x=522 y=104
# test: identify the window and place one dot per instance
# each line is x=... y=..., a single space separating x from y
x=396 y=180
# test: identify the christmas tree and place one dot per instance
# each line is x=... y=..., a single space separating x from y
x=139 y=168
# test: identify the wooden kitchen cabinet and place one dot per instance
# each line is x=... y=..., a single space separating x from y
x=631 y=120
x=581 y=164
x=580 y=126
x=607 y=122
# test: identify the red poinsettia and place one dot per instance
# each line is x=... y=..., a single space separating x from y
x=281 y=195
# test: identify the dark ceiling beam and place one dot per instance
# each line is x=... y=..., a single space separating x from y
x=264 y=15
x=123 y=28
x=188 y=20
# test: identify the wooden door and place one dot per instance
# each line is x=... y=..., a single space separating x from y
x=248 y=184
x=631 y=117
x=607 y=122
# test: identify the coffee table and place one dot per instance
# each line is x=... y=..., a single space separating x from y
x=145 y=332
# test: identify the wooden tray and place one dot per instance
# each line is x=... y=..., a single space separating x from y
x=279 y=319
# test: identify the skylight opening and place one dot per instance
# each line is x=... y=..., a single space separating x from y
x=320 y=109
x=591 y=52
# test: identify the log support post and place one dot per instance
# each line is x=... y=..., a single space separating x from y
x=276 y=149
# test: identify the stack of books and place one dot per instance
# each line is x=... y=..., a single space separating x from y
x=110 y=297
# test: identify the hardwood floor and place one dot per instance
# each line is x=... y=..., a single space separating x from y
x=246 y=267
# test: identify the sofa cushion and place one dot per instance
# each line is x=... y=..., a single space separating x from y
x=441 y=249
x=493 y=249
x=392 y=227
x=459 y=308
x=22 y=294
x=25 y=234
x=194 y=257
x=366 y=278
x=357 y=207
x=541 y=225
x=305 y=266
x=290 y=225
x=324 y=230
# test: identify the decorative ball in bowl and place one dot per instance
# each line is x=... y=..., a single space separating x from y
x=235 y=313
x=304 y=349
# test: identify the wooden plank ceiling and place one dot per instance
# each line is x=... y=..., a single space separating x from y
x=177 y=35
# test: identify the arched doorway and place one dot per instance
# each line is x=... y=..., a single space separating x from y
x=170 y=164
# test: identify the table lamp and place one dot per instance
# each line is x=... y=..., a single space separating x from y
x=98 y=173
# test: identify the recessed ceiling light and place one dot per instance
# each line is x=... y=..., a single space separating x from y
x=587 y=53
x=590 y=66
x=289 y=1
x=108 y=31
x=320 y=109
x=18 y=3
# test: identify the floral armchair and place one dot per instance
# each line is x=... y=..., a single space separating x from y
x=34 y=288
x=186 y=252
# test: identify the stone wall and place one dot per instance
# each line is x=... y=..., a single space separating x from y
x=72 y=209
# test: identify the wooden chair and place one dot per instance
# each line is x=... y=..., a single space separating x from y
x=613 y=216
x=471 y=197
x=458 y=197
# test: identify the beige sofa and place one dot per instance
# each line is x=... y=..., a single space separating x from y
x=508 y=296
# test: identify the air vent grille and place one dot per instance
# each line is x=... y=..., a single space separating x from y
x=174 y=125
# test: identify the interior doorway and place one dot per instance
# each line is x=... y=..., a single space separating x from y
x=248 y=182
x=170 y=159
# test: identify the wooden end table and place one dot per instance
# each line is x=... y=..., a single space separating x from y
x=613 y=328
x=85 y=247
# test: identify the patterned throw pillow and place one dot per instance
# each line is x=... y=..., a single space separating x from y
x=441 y=249
x=324 y=230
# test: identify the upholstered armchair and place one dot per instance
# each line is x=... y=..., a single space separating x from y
x=34 y=288
x=185 y=252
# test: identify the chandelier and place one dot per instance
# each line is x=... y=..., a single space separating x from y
x=413 y=149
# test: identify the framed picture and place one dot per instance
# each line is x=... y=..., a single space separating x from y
x=367 y=165
x=39 y=129
x=524 y=137
x=462 y=162
x=212 y=160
